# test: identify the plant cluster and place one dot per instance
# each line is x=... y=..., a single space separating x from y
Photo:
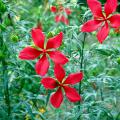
x=73 y=51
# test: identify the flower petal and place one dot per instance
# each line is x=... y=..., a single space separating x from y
x=90 y=26
x=57 y=98
x=29 y=53
x=53 y=9
x=38 y=37
x=95 y=7
x=110 y=7
x=103 y=33
x=59 y=72
x=74 y=78
x=68 y=11
x=58 y=57
x=72 y=94
x=57 y=18
x=42 y=66
x=55 y=42
x=115 y=20
x=49 y=83
x=64 y=20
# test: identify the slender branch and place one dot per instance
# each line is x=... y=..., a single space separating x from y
x=81 y=66
x=101 y=91
x=101 y=94
x=48 y=96
x=82 y=59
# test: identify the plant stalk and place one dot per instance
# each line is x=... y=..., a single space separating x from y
x=101 y=94
x=81 y=67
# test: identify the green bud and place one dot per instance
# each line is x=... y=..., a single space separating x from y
x=50 y=34
x=118 y=60
x=7 y=22
x=14 y=38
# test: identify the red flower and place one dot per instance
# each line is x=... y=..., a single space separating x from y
x=102 y=20
x=62 y=83
x=60 y=17
x=68 y=11
x=44 y=50
x=53 y=9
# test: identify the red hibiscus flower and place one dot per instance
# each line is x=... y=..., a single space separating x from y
x=60 y=17
x=102 y=20
x=62 y=83
x=44 y=51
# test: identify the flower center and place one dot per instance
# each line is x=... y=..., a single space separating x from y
x=44 y=51
x=61 y=84
x=104 y=18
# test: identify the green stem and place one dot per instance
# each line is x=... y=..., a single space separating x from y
x=5 y=78
x=101 y=91
x=48 y=96
x=101 y=94
x=81 y=66
x=82 y=58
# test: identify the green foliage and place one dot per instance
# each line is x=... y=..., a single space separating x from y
x=22 y=97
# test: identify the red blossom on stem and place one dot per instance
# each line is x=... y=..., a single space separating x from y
x=44 y=51
x=102 y=21
x=59 y=14
x=62 y=83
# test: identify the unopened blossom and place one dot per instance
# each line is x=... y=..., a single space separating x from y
x=61 y=14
